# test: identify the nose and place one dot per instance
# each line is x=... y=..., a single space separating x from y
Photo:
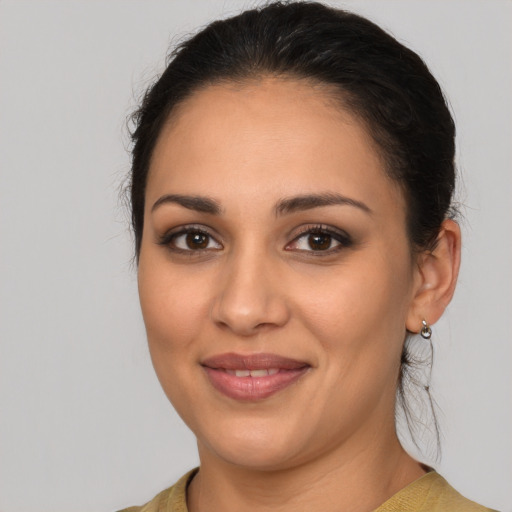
x=250 y=299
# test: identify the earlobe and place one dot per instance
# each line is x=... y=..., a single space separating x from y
x=436 y=278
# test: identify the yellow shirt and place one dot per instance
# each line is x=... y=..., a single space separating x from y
x=430 y=493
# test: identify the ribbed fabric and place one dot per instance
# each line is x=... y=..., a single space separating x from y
x=173 y=499
x=430 y=493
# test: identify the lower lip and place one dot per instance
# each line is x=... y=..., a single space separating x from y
x=252 y=388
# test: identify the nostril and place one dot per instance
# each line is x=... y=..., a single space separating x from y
x=249 y=301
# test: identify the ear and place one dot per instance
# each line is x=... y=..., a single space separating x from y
x=435 y=278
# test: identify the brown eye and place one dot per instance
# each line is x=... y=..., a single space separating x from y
x=191 y=240
x=319 y=241
x=197 y=241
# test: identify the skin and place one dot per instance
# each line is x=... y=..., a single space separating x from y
x=329 y=439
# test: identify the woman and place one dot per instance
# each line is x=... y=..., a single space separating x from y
x=292 y=177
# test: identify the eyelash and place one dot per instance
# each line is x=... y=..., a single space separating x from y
x=342 y=238
x=169 y=237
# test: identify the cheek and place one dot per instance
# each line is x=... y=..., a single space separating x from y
x=358 y=316
x=173 y=302
x=174 y=306
x=358 y=311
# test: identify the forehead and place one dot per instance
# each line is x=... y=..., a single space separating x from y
x=271 y=137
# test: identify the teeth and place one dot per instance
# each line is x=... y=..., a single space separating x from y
x=259 y=373
x=253 y=373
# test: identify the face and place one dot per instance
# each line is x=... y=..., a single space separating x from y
x=275 y=275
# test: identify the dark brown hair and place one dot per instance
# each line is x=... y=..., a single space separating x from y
x=378 y=79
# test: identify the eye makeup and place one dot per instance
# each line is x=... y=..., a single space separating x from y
x=189 y=239
x=320 y=239
x=310 y=240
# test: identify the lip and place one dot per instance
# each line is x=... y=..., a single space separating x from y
x=250 y=388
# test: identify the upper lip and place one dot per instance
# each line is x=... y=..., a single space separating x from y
x=262 y=361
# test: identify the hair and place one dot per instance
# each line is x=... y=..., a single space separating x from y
x=376 y=78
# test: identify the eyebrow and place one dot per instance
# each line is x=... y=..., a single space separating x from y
x=285 y=206
x=309 y=201
x=198 y=203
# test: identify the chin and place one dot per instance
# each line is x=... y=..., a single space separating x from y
x=255 y=448
x=256 y=458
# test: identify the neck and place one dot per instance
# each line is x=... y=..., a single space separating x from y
x=347 y=478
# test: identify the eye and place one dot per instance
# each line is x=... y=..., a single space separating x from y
x=315 y=242
x=319 y=239
x=190 y=239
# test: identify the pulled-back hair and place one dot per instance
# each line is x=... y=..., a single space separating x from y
x=378 y=79
x=375 y=77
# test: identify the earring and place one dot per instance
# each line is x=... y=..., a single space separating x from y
x=426 y=331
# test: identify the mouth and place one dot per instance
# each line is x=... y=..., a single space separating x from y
x=252 y=377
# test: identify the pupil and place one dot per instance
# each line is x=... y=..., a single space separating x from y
x=319 y=241
x=197 y=241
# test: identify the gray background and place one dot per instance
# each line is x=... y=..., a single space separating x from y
x=83 y=422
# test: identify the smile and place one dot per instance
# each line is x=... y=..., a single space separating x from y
x=253 y=377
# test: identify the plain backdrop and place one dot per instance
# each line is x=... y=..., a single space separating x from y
x=83 y=422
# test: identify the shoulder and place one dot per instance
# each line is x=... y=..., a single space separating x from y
x=157 y=504
x=430 y=493
x=172 y=499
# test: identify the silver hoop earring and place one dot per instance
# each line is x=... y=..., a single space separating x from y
x=426 y=331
